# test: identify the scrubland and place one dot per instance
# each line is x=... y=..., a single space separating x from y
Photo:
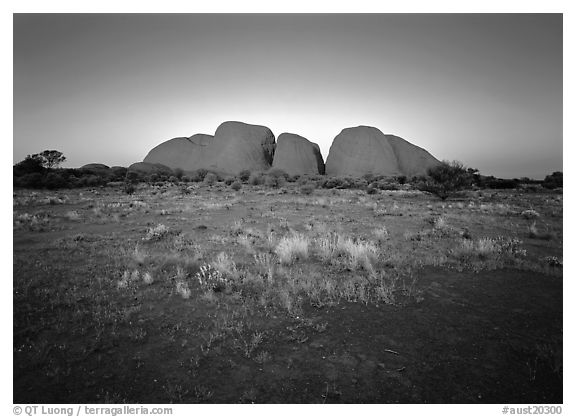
x=207 y=293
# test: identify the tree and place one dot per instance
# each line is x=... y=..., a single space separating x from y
x=446 y=179
x=50 y=158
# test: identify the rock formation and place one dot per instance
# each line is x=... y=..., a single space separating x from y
x=235 y=147
x=95 y=166
x=239 y=146
x=366 y=150
x=297 y=155
x=149 y=168
x=187 y=154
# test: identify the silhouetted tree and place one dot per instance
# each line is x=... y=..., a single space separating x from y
x=50 y=158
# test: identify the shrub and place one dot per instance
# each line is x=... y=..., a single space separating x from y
x=31 y=164
x=244 y=175
x=32 y=180
x=178 y=173
x=446 y=179
x=332 y=182
x=133 y=177
x=54 y=180
x=371 y=189
x=198 y=175
x=236 y=186
x=129 y=188
x=554 y=180
x=307 y=188
x=274 y=181
x=256 y=179
x=501 y=184
x=277 y=172
x=229 y=180
x=156 y=232
x=210 y=178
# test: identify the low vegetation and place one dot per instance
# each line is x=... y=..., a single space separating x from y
x=204 y=288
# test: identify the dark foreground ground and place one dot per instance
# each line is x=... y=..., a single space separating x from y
x=426 y=302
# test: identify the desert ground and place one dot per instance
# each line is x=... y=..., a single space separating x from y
x=201 y=294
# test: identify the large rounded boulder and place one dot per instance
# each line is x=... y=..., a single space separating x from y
x=239 y=146
x=235 y=146
x=297 y=155
x=149 y=168
x=187 y=154
x=366 y=150
x=412 y=160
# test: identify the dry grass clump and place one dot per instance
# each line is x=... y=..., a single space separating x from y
x=156 y=233
x=225 y=265
x=210 y=278
x=534 y=233
x=72 y=215
x=291 y=248
x=487 y=252
x=530 y=214
x=359 y=254
x=381 y=234
x=33 y=222
x=147 y=278
x=183 y=289
x=355 y=253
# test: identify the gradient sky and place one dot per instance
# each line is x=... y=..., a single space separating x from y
x=484 y=89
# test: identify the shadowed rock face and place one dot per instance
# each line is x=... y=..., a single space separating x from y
x=366 y=150
x=412 y=160
x=236 y=146
x=148 y=168
x=239 y=146
x=297 y=155
x=185 y=153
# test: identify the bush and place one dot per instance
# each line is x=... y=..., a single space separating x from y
x=129 y=188
x=54 y=180
x=29 y=165
x=332 y=182
x=371 y=189
x=210 y=178
x=501 y=184
x=256 y=179
x=446 y=179
x=277 y=173
x=178 y=173
x=274 y=181
x=90 y=181
x=236 y=186
x=133 y=177
x=229 y=180
x=554 y=180
x=32 y=180
x=307 y=188
x=244 y=175
x=199 y=175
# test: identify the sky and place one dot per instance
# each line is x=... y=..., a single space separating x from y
x=483 y=89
